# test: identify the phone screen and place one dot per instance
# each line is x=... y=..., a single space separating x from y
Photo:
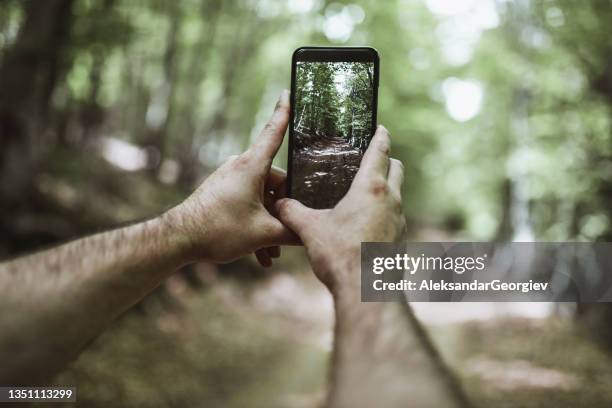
x=333 y=122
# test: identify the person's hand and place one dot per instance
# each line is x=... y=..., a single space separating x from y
x=231 y=214
x=371 y=211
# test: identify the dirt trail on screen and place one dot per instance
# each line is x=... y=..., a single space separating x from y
x=324 y=170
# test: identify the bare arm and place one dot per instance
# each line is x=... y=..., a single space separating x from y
x=382 y=356
x=54 y=302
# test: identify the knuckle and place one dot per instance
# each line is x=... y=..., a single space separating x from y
x=270 y=127
x=242 y=160
x=378 y=186
x=281 y=107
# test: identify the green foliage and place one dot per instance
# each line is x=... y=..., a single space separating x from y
x=334 y=99
x=193 y=82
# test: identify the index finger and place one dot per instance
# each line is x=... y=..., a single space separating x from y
x=376 y=159
x=271 y=137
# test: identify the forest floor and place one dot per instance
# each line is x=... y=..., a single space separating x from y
x=267 y=344
x=324 y=171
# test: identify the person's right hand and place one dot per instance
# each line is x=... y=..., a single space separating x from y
x=371 y=211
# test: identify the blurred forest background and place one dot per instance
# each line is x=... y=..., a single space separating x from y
x=112 y=110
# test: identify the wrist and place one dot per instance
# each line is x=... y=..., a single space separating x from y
x=177 y=237
x=342 y=275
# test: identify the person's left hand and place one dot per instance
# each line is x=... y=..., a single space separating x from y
x=232 y=213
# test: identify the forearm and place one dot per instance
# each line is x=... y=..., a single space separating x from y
x=382 y=357
x=54 y=302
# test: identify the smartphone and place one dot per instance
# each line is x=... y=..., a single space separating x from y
x=334 y=97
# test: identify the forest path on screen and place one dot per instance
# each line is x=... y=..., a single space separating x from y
x=326 y=166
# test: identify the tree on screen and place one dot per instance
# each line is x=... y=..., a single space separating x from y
x=333 y=99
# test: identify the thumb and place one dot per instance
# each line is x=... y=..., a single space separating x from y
x=271 y=137
x=295 y=215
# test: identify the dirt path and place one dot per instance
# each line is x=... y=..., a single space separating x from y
x=324 y=171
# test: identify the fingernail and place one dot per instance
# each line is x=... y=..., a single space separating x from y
x=285 y=95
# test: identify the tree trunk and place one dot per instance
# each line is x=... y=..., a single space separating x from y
x=210 y=13
x=29 y=72
x=163 y=96
x=244 y=48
